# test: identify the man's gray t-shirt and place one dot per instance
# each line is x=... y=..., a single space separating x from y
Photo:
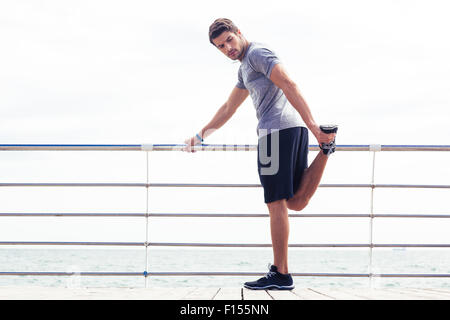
x=273 y=110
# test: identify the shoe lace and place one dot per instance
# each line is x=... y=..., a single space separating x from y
x=270 y=273
x=330 y=145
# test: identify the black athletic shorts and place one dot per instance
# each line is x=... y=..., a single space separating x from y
x=282 y=158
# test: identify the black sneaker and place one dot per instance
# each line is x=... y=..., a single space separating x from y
x=272 y=281
x=328 y=148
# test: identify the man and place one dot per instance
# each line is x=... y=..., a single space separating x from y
x=283 y=116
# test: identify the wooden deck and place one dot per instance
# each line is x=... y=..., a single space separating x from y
x=226 y=293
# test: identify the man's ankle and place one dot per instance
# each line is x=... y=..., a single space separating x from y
x=283 y=270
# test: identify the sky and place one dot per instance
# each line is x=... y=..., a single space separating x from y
x=134 y=72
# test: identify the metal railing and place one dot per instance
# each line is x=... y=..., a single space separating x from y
x=174 y=147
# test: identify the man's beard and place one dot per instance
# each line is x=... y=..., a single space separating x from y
x=241 y=52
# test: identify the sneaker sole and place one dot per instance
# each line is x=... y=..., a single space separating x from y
x=329 y=128
x=271 y=287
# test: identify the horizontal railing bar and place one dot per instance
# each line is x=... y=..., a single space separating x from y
x=57 y=214
x=70 y=243
x=221 y=215
x=203 y=147
x=249 y=245
x=249 y=147
x=70 y=147
x=415 y=148
x=167 y=273
x=411 y=245
x=387 y=215
x=309 y=245
x=19 y=184
x=212 y=185
x=420 y=186
x=228 y=245
x=189 y=273
x=253 y=147
x=206 y=185
x=296 y=274
x=412 y=275
x=247 y=215
x=57 y=273
x=295 y=215
x=213 y=273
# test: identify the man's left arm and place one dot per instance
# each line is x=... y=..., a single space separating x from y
x=282 y=80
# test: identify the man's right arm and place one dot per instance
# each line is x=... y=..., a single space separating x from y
x=224 y=113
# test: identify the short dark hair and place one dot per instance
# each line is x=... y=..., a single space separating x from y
x=219 y=26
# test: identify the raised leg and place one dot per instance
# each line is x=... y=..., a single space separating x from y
x=309 y=183
x=311 y=176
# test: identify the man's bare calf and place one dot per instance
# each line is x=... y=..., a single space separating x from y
x=279 y=231
x=309 y=183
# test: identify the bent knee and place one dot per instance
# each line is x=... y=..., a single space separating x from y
x=297 y=204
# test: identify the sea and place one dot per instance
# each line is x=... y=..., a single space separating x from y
x=301 y=260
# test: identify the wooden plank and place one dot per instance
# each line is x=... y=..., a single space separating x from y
x=248 y=294
x=438 y=290
x=338 y=294
x=441 y=295
x=179 y=293
x=413 y=293
x=94 y=293
x=375 y=294
x=283 y=295
x=206 y=293
x=42 y=293
x=153 y=293
x=29 y=293
x=409 y=294
x=114 y=293
x=370 y=294
x=229 y=293
x=378 y=294
x=308 y=294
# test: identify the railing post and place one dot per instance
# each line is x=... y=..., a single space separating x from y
x=374 y=148
x=146 y=218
